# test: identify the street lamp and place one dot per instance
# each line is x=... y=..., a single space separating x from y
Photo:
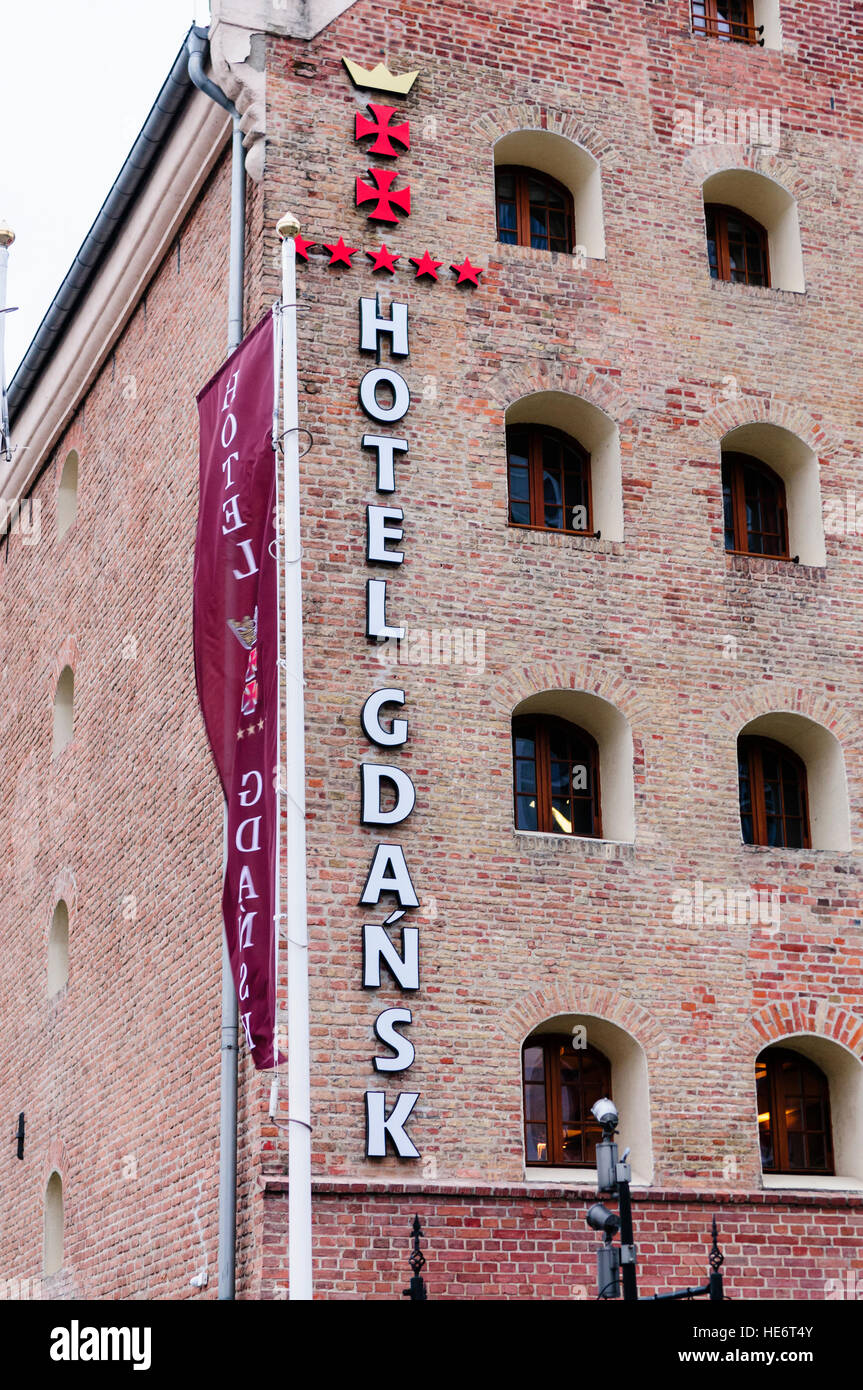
x=613 y=1176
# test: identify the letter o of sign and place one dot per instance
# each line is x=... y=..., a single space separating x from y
x=369 y=400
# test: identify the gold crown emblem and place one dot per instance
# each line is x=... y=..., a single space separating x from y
x=380 y=79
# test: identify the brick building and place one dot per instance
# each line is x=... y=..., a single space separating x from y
x=631 y=581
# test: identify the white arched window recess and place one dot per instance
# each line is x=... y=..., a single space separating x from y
x=63 y=710
x=844 y=1074
x=67 y=495
x=571 y=165
x=594 y=431
x=629 y=1091
x=613 y=737
x=714 y=20
x=767 y=17
x=774 y=208
x=53 y=1225
x=797 y=466
x=58 y=949
x=826 y=782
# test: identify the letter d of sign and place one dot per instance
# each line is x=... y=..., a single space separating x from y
x=372 y=774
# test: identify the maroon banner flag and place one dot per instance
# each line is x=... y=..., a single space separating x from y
x=236 y=629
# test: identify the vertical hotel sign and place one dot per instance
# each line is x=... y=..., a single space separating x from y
x=387 y=794
x=236 y=660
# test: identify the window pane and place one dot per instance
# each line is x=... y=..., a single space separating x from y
x=525 y=776
x=534 y=1103
x=506 y=216
x=519 y=513
x=793 y=834
x=814 y=1119
x=561 y=816
x=534 y=1063
x=573 y=1144
x=817 y=1152
x=793 y=1115
x=796 y=1151
x=519 y=483
x=526 y=811
x=524 y=746
x=536 y=1144
x=560 y=778
x=582 y=818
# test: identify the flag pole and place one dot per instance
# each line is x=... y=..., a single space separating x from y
x=299 y=1109
x=7 y=236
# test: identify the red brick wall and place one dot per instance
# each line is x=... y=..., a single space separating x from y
x=118 y=1074
x=515 y=930
x=507 y=1242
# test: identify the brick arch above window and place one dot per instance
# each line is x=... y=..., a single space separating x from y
x=832 y=1039
x=768 y=203
x=620 y=1031
x=569 y=148
x=822 y=756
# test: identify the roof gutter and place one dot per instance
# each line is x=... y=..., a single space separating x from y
x=142 y=156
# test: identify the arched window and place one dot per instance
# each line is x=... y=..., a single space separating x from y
x=63 y=710
x=533 y=209
x=774 y=804
x=753 y=498
x=58 y=949
x=793 y=1113
x=731 y=20
x=53 y=1229
x=561 y=1083
x=548 y=476
x=555 y=777
x=67 y=496
x=736 y=246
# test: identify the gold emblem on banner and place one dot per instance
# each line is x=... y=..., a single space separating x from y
x=380 y=79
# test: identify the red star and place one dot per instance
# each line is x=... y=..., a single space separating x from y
x=303 y=247
x=425 y=265
x=467 y=274
x=341 y=254
x=383 y=260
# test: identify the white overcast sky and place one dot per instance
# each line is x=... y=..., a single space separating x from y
x=78 y=78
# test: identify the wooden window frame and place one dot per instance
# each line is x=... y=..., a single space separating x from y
x=734 y=465
x=753 y=746
x=772 y=1058
x=541 y=724
x=522 y=174
x=551 y=1043
x=753 y=34
x=535 y=435
x=723 y=259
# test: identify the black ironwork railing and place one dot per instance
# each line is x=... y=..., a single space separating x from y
x=732 y=30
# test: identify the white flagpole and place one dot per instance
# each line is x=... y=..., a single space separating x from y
x=7 y=236
x=299 y=1109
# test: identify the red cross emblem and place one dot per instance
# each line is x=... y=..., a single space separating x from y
x=386 y=197
x=381 y=128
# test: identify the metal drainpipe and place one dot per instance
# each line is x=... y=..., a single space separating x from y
x=197 y=44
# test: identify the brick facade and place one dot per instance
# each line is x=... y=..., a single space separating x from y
x=686 y=643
